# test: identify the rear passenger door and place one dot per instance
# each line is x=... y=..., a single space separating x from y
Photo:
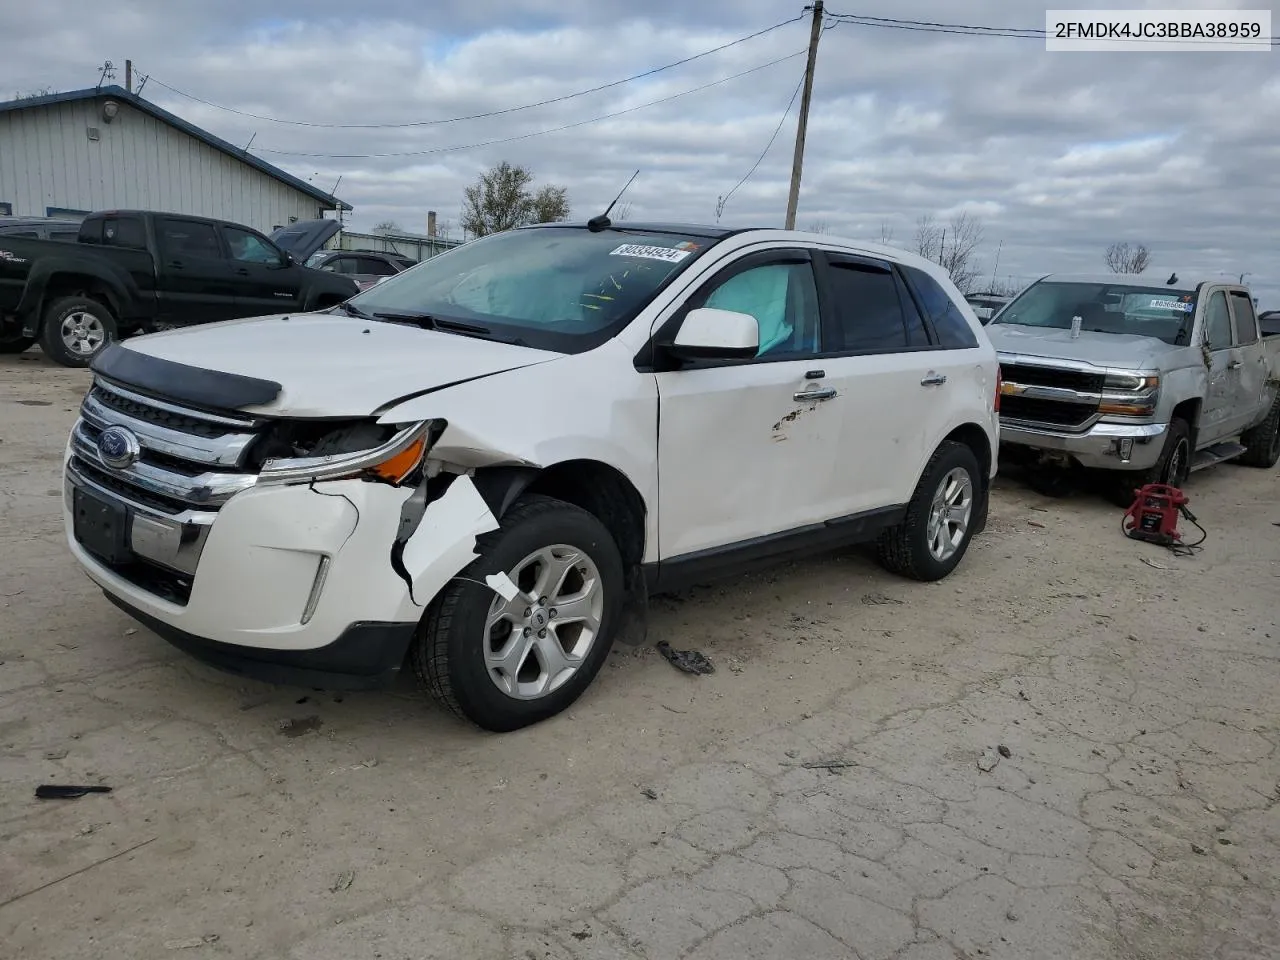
x=903 y=352
x=193 y=274
x=1250 y=380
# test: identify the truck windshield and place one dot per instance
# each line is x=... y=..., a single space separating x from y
x=1123 y=308
x=566 y=289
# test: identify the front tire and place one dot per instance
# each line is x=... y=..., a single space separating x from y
x=504 y=664
x=75 y=330
x=1173 y=467
x=935 y=534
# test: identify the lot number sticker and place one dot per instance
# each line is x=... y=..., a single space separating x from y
x=649 y=253
x=1172 y=305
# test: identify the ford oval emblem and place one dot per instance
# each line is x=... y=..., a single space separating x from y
x=118 y=448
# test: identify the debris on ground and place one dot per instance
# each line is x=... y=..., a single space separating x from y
x=1004 y=751
x=55 y=791
x=191 y=943
x=1035 y=523
x=343 y=882
x=1152 y=563
x=875 y=599
x=1224 y=841
x=831 y=766
x=296 y=727
x=689 y=661
x=1196 y=848
x=55 y=754
x=649 y=792
x=987 y=762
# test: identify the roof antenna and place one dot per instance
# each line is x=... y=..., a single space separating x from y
x=602 y=222
x=1173 y=278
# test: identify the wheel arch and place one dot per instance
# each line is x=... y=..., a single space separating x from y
x=602 y=490
x=976 y=439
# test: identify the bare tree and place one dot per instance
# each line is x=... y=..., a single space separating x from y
x=622 y=211
x=386 y=226
x=952 y=246
x=41 y=92
x=502 y=199
x=819 y=226
x=1128 y=258
x=886 y=233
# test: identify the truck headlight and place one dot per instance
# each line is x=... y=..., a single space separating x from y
x=391 y=462
x=1130 y=395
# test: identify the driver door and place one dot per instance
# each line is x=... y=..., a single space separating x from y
x=265 y=283
x=746 y=448
x=1217 y=413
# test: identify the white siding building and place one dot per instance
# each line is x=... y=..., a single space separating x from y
x=69 y=154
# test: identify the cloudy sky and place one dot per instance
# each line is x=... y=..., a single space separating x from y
x=1058 y=153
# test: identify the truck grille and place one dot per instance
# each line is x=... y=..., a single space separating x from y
x=1050 y=412
x=1034 y=376
x=188 y=463
x=1057 y=398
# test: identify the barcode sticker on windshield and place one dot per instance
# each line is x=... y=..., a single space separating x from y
x=649 y=253
x=1166 y=304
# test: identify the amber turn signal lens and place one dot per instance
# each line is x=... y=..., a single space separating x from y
x=395 y=469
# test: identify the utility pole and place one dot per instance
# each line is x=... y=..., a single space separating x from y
x=797 y=162
x=128 y=76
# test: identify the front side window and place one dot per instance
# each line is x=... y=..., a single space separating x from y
x=1217 y=322
x=189 y=238
x=249 y=247
x=784 y=300
x=556 y=288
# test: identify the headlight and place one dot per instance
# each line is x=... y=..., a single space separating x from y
x=1132 y=381
x=392 y=462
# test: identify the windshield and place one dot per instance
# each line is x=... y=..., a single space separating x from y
x=555 y=288
x=1124 y=308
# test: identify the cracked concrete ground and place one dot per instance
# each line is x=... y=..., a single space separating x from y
x=819 y=796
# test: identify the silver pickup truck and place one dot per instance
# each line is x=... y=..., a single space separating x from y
x=1122 y=373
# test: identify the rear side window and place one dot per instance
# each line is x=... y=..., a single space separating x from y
x=949 y=323
x=189 y=238
x=375 y=267
x=874 y=314
x=1246 y=320
x=124 y=232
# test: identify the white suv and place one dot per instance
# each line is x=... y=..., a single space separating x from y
x=488 y=461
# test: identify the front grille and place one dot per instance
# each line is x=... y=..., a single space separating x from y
x=1035 y=376
x=1054 y=412
x=191 y=463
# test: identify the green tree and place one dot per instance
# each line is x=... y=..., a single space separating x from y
x=502 y=198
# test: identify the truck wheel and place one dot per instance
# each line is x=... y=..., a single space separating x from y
x=932 y=539
x=75 y=330
x=1262 y=442
x=507 y=664
x=15 y=342
x=1173 y=467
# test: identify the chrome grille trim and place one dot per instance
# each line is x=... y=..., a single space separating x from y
x=222 y=420
x=221 y=451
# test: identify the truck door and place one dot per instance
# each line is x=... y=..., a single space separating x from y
x=1249 y=364
x=264 y=281
x=193 y=275
x=1219 y=399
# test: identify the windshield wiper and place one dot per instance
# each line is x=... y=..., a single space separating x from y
x=429 y=321
x=351 y=311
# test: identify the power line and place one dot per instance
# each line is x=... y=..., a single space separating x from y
x=536 y=133
x=491 y=113
x=760 y=159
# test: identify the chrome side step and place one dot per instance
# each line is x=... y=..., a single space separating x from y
x=1218 y=453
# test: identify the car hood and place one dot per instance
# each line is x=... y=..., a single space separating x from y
x=326 y=365
x=305 y=237
x=1102 y=349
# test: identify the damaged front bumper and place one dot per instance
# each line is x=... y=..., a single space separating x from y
x=287 y=583
x=1104 y=446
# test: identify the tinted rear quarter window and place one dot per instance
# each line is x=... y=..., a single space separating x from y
x=949 y=323
x=124 y=232
x=1246 y=320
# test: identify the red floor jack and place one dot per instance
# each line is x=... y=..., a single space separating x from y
x=1153 y=518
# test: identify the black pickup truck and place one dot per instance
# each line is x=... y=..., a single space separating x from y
x=134 y=271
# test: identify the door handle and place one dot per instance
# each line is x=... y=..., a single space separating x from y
x=176 y=264
x=242 y=272
x=934 y=380
x=822 y=393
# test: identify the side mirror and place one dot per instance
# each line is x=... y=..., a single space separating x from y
x=711 y=334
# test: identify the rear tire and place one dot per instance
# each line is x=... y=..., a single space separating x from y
x=935 y=534
x=1263 y=441
x=506 y=665
x=75 y=330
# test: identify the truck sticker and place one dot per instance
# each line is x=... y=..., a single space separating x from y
x=1168 y=304
x=6 y=255
x=649 y=253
